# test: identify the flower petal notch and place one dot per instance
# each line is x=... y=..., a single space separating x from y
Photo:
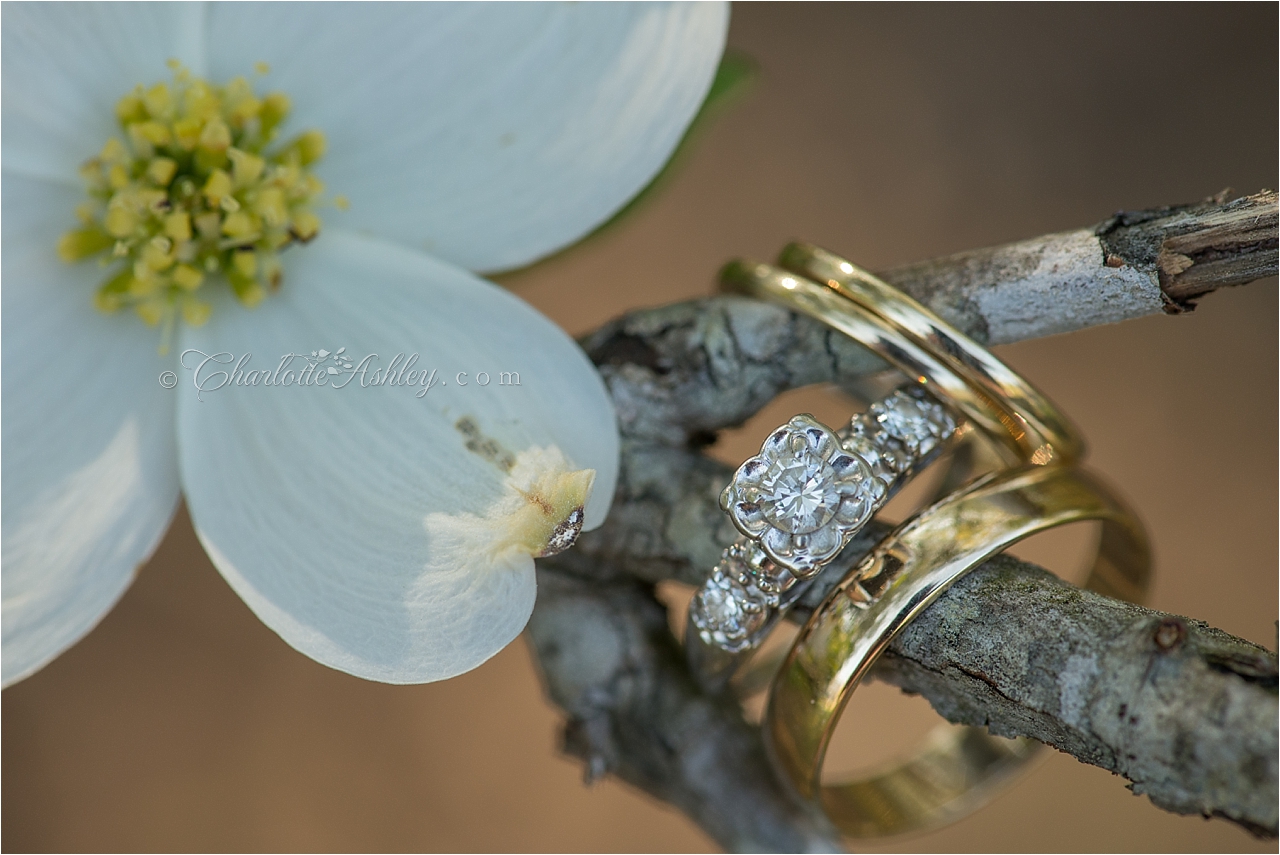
x=540 y=515
x=386 y=525
x=803 y=497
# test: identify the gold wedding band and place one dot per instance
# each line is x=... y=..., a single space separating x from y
x=923 y=346
x=890 y=587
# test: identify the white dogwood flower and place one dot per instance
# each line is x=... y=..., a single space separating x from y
x=382 y=530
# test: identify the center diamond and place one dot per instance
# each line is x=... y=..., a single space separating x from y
x=799 y=493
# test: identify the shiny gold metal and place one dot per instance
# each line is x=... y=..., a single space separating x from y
x=907 y=335
x=957 y=768
x=954 y=772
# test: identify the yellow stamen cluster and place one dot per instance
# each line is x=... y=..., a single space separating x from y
x=195 y=191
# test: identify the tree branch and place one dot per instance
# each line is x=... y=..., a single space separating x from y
x=1133 y=264
x=1185 y=712
x=612 y=664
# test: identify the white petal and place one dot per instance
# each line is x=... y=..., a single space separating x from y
x=488 y=135
x=313 y=501
x=90 y=476
x=65 y=65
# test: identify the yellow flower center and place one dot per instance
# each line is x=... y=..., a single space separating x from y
x=196 y=192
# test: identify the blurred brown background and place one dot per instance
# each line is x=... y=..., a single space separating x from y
x=891 y=133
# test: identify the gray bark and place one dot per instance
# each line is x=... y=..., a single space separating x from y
x=1185 y=712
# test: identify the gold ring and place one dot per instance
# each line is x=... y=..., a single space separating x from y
x=922 y=345
x=952 y=774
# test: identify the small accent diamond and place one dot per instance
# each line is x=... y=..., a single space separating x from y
x=883 y=462
x=911 y=417
x=727 y=612
x=904 y=419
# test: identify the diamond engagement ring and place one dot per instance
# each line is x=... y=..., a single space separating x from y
x=797 y=504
